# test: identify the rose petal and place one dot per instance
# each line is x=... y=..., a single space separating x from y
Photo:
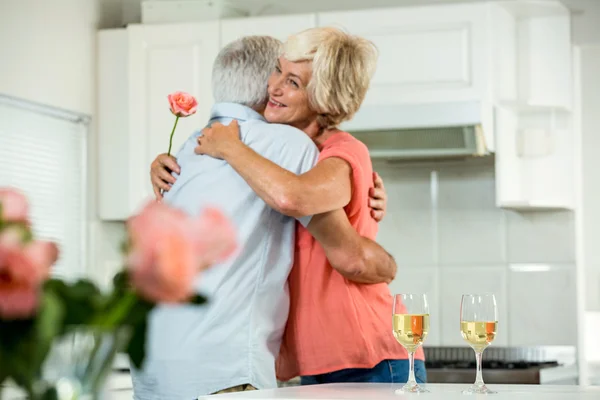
x=13 y=205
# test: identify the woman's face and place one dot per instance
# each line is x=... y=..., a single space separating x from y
x=288 y=97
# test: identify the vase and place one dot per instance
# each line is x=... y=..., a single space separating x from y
x=78 y=364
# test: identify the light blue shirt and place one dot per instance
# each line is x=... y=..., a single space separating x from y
x=235 y=338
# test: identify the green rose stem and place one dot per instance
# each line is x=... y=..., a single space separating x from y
x=172 y=132
x=119 y=312
x=117 y=316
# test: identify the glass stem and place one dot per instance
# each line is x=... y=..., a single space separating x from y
x=411 y=366
x=479 y=377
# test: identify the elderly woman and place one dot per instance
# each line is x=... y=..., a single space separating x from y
x=337 y=330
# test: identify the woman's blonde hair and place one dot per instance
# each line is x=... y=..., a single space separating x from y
x=342 y=67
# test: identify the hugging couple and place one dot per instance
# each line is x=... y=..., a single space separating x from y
x=307 y=295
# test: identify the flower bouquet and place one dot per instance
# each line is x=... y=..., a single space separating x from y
x=58 y=338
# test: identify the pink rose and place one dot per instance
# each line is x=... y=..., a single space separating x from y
x=214 y=236
x=23 y=269
x=166 y=253
x=182 y=104
x=13 y=205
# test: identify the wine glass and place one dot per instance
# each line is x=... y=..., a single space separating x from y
x=410 y=323
x=478 y=323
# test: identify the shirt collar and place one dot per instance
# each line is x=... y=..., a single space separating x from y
x=234 y=111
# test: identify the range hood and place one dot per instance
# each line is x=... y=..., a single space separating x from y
x=423 y=131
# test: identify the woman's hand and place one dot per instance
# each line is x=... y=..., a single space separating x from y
x=160 y=174
x=377 y=198
x=217 y=139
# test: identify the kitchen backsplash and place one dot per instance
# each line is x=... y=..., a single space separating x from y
x=445 y=214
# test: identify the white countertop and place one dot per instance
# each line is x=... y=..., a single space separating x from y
x=384 y=391
x=120 y=390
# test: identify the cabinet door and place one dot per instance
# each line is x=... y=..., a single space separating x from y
x=422 y=280
x=588 y=101
x=165 y=59
x=426 y=54
x=542 y=305
x=457 y=281
x=534 y=160
x=279 y=27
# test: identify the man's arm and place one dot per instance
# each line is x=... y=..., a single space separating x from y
x=357 y=258
x=161 y=174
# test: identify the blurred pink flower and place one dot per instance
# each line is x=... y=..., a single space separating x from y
x=182 y=104
x=166 y=252
x=214 y=236
x=13 y=205
x=23 y=269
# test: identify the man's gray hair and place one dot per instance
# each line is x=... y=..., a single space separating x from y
x=242 y=69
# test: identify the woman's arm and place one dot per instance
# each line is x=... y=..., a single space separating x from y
x=356 y=258
x=324 y=188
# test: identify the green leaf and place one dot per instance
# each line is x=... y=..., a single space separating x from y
x=198 y=299
x=3 y=365
x=11 y=331
x=82 y=300
x=50 y=394
x=48 y=322
x=121 y=281
x=56 y=285
x=28 y=354
x=138 y=321
x=83 y=288
x=136 y=348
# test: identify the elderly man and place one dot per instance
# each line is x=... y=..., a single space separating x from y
x=231 y=343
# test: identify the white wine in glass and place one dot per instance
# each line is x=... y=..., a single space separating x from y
x=478 y=324
x=410 y=324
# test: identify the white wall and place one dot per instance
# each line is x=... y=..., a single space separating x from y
x=48 y=55
x=585 y=27
x=47 y=50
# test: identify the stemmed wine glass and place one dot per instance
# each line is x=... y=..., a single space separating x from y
x=478 y=323
x=410 y=324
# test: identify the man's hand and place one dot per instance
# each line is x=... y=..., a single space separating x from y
x=217 y=139
x=377 y=198
x=160 y=174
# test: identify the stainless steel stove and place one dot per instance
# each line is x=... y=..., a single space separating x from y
x=498 y=372
x=500 y=365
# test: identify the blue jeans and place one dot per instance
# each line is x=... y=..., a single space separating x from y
x=387 y=371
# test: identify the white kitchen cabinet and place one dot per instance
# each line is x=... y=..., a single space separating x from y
x=511 y=58
x=535 y=164
x=138 y=68
x=541 y=305
x=587 y=105
x=534 y=134
x=544 y=54
x=426 y=54
x=456 y=281
x=280 y=26
x=422 y=280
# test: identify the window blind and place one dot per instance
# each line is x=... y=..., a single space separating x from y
x=43 y=154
